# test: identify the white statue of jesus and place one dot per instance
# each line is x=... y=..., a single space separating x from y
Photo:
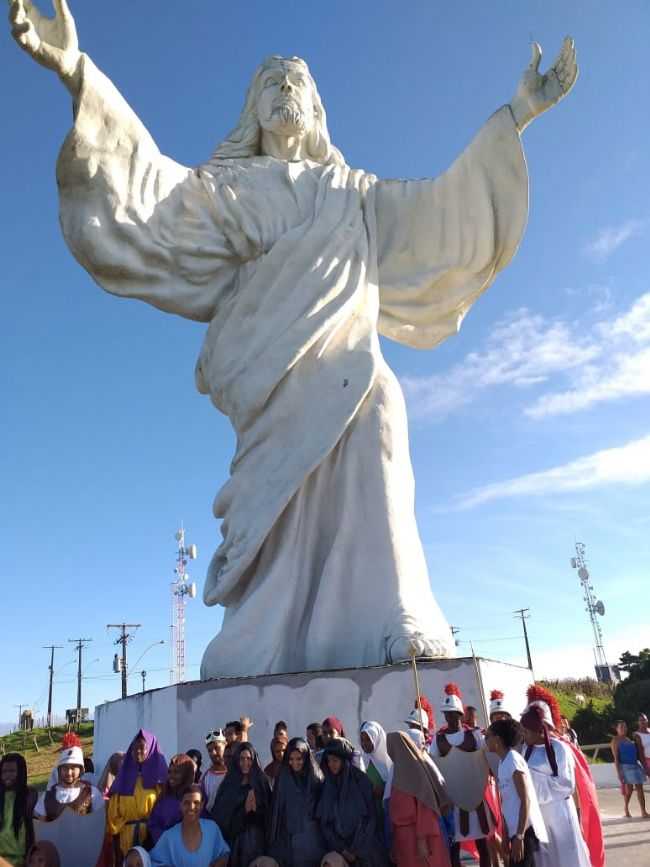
x=297 y=263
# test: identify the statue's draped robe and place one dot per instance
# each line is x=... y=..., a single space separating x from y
x=297 y=267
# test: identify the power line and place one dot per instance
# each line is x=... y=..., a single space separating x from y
x=51 y=648
x=124 y=639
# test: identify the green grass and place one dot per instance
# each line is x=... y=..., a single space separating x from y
x=40 y=762
x=569 y=706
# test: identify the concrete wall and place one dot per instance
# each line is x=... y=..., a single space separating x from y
x=181 y=715
x=605 y=776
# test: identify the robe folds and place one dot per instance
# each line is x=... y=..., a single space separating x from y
x=297 y=268
x=566 y=846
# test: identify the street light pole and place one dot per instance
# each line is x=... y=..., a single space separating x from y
x=143 y=675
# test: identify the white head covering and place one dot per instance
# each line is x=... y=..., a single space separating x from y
x=215 y=737
x=417 y=736
x=71 y=756
x=452 y=700
x=418 y=717
x=498 y=703
x=379 y=756
x=144 y=856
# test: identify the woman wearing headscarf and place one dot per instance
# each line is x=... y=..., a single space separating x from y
x=552 y=769
x=332 y=729
x=17 y=801
x=378 y=762
x=295 y=838
x=167 y=809
x=347 y=812
x=278 y=746
x=136 y=789
x=43 y=854
x=242 y=806
x=137 y=857
x=418 y=796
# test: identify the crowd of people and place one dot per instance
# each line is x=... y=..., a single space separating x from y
x=518 y=793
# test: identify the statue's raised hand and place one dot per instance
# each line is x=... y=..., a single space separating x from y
x=536 y=93
x=52 y=42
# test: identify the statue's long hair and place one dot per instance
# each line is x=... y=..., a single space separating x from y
x=245 y=140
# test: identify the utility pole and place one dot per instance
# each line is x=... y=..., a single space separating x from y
x=523 y=613
x=51 y=648
x=124 y=639
x=79 y=646
x=143 y=675
x=454 y=632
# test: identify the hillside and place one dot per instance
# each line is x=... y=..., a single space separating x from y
x=40 y=762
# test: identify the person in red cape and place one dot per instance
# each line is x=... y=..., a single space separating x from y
x=589 y=814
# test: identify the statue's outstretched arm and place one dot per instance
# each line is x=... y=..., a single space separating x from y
x=536 y=93
x=52 y=42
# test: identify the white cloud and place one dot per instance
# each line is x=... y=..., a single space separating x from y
x=629 y=377
x=627 y=465
x=523 y=350
x=607 y=361
x=608 y=240
x=622 y=368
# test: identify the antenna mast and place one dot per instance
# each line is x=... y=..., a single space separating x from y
x=595 y=608
x=181 y=588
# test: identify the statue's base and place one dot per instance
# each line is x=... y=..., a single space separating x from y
x=182 y=715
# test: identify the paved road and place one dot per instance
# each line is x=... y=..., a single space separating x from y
x=627 y=841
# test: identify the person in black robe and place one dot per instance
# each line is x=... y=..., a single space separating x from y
x=347 y=812
x=242 y=806
x=295 y=838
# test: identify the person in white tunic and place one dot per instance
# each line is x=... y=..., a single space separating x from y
x=466 y=775
x=297 y=262
x=552 y=769
x=70 y=791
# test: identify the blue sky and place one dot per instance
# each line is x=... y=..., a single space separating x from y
x=529 y=430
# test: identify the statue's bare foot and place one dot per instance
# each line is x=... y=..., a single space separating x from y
x=405 y=645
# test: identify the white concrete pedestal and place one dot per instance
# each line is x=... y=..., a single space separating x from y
x=181 y=715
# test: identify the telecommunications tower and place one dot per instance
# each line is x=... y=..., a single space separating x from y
x=181 y=588
x=595 y=608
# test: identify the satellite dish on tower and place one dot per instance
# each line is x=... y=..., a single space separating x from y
x=600 y=607
x=193 y=591
x=192 y=552
x=583 y=574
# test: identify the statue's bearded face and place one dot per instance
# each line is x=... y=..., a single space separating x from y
x=285 y=103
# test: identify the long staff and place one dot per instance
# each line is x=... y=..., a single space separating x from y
x=416 y=677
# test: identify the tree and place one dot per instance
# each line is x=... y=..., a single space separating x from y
x=637 y=665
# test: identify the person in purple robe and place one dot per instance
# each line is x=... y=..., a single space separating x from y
x=137 y=787
x=167 y=809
